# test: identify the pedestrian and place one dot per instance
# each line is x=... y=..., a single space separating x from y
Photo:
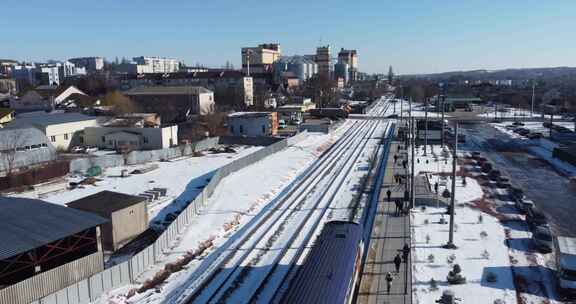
x=395 y=158
x=397 y=262
x=405 y=252
x=436 y=187
x=389 y=194
x=389 y=279
x=397 y=203
x=400 y=207
x=404 y=163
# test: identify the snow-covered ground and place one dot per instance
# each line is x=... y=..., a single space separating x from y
x=183 y=178
x=236 y=200
x=494 y=246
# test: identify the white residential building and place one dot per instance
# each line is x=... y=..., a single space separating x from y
x=134 y=137
x=91 y=64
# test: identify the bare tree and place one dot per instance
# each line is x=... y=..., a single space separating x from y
x=10 y=144
x=120 y=102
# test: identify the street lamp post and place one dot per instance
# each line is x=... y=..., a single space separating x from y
x=450 y=244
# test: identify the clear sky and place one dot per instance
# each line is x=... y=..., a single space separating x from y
x=417 y=36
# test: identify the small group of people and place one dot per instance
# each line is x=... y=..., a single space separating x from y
x=397 y=262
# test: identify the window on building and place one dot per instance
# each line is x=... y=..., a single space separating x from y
x=231 y=129
x=66 y=136
x=103 y=139
x=53 y=138
x=145 y=139
x=241 y=129
x=81 y=139
x=263 y=129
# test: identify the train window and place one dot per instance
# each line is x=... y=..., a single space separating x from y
x=340 y=236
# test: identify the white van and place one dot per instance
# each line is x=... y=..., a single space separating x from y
x=566 y=264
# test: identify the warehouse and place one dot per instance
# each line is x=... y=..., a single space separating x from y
x=127 y=215
x=45 y=247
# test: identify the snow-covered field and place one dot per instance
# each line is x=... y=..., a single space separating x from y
x=494 y=246
x=183 y=179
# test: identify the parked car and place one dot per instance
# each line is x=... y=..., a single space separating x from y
x=392 y=116
x=77 y=149
x=536 y=135
x=524 y=131
x=542 y=238
x=486 y=167
x=518 y=123
x=282 y=124
x=524 y=205
x=517 y=194
x=547 y=124
x=90 y=149
x=535 y=218
x=494 y=174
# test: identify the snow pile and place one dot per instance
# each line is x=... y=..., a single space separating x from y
x=481 y=254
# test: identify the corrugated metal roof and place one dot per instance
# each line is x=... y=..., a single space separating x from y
x=47 y=119
x=105 y=201
x=326 y=273
x=26 y=224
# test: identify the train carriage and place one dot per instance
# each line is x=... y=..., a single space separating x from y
x=330 y=272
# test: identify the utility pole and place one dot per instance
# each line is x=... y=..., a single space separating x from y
x=443 y=107
x=450 y=244
x=533 y=91
x=412 y=197
x=425 y=125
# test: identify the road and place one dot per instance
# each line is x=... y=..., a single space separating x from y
x=550 y=190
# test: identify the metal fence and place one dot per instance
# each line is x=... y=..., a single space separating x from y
x=90 y=289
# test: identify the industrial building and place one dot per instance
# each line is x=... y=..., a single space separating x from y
x=233 y=83
x=349 y=58
x=127 y=216
x=24 y=147
x=45 y=248
x=324 y=61
x=301 y=67
x=173 y=103
x=253 y=123
x=260 y=59
x=64 y=130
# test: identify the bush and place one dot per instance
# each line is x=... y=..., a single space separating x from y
x=426 y=222
x=486 y=254
x=491 y=277
x=431 y=258
x=451 y=258
x=483 y=234
x=480 y=219
x=455 y=276
x=427 y=239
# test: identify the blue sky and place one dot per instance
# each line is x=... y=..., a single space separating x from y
x=413 y=36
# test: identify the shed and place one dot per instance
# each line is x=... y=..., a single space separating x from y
x=127 y=215
x=36 y=236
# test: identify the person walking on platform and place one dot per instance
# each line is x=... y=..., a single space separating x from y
x=405 y=252
x=397 y=203
x=397 y=262
x=389 y=279
x=395 y=158
x=389 y=194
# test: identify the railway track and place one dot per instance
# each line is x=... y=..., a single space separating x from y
x=250 y=263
